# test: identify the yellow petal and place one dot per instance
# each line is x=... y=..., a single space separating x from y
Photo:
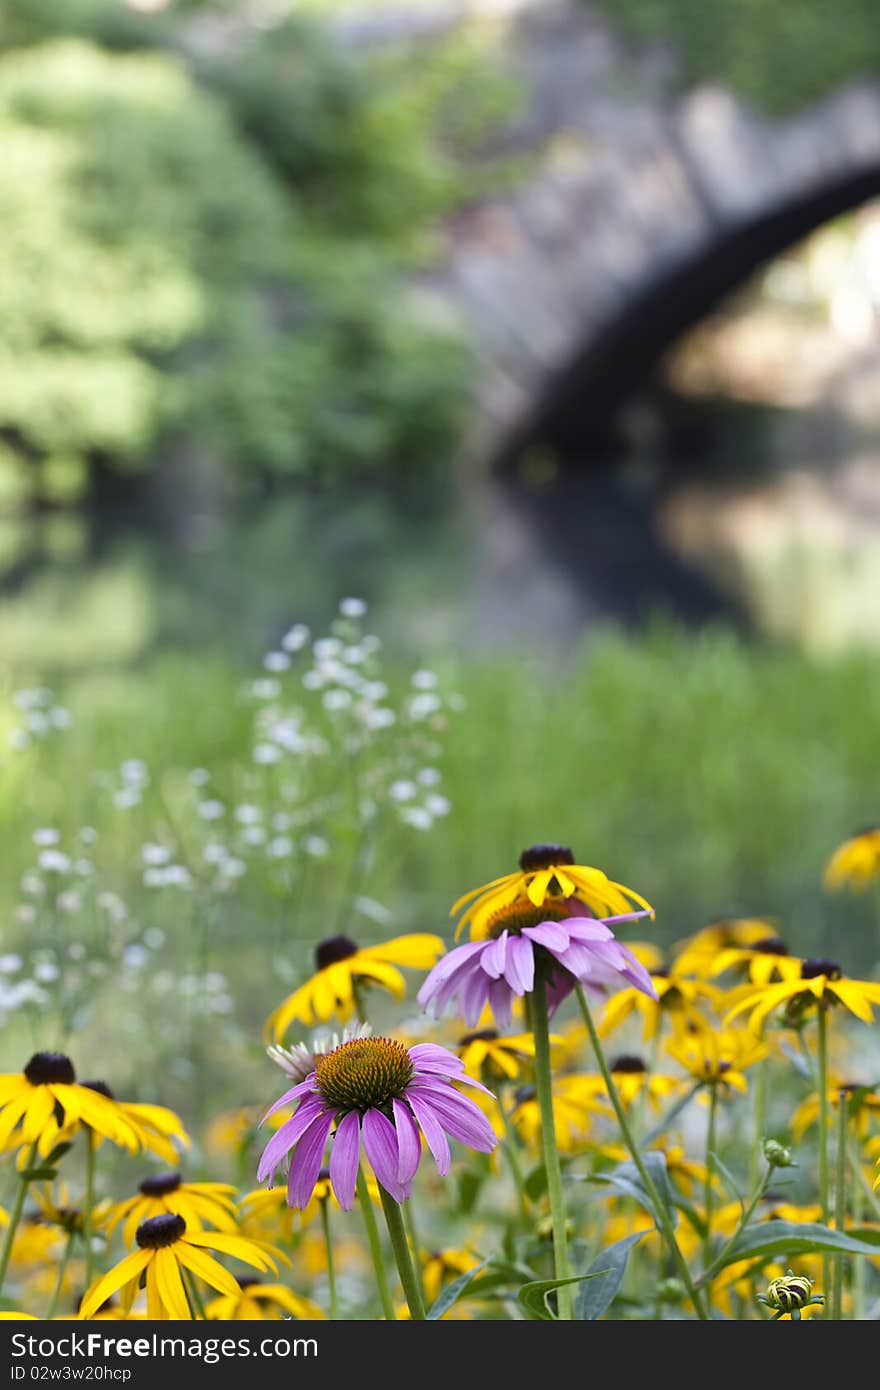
x=418 y=951
x=852 y=994
x=208 y=1269
x=237 y=1246
x=171 y=1289
x=127 y=1270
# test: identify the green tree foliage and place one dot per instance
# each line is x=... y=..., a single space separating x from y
x=158 y=283
x=776 y=53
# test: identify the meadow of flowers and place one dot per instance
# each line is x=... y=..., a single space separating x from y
x=542 y=1117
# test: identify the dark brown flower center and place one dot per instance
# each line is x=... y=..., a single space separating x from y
x=484 y=1035
x=810 y=969
x=160 y=1231
x=771 y=946
x=101 y=1087
x=364 y=1073
x=160 y=1184
x=47 y=1067
x=544 y=857
x=627 y=1063
x=333 y=949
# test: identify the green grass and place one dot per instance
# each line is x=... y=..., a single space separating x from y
x=713 y=777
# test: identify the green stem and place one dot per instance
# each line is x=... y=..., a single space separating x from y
x=415 y=1244
x=397 y=1233
x=331 y=1267
x=196 y=1303
x=708 y=1193
x=717 y=1264
x=552 y=1165
x=864 y=1185
x=840 y=1202
x=858 y=1265
x=15 y=1217
x=822 y=1083
x=375 y=1246
x=511 y=1149
x=659 y=1210
x=88 y=1220
x=59 y=1282
x=760 y=1121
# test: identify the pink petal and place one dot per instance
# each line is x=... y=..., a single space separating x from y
x=409 y=1141
x=494 y=956
x=520 y=970
x=553 y=935
x=432 y=1130
x=284 y=1138
x=344 y=1157
x=380 y=1143
x=304 y=1087
x=432 y=1057
x=305 y=1161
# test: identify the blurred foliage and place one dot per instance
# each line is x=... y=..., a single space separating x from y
x=775 y=53
x=203 y=259
x=379 y=143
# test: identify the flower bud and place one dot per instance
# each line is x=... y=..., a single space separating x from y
x=777 y=1155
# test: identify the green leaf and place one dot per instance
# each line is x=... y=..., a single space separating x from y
x=58 y=1153
x=800 y=1238
x=533 y=1297
x=42 y=1174
x=626 y=1178
x=607 y=1270
x=453 y=1292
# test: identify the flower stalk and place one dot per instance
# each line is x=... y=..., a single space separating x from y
x=555 y=1192
x=399 y=1244
x=372 y=1230
x=663 y=1222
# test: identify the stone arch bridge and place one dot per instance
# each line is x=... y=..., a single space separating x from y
x=642 y=207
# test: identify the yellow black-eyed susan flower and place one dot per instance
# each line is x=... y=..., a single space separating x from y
x=698 y=954
x=575 y=1103
x=545 y=872
x=633 y=1079
x=32 y=1101
x=763 y=961
x=165 y=1248
x=718 y=1058
x=864 y=1101
x=199 y=1203
x=679 y=997
x=266 y=1212
x=856 y=862
x=820 y=982
x=256 y=1301
x=440 y=1267
x=157 y=1129
x=59 y=1210
x=499 y=1056
x=341 y=967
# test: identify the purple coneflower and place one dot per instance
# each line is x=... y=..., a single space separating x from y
x=378 y=1090
x=571 y=945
